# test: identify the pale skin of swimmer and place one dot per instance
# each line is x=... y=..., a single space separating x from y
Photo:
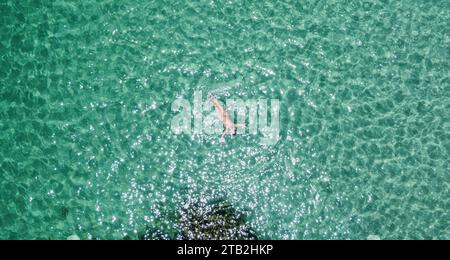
x=224 y=117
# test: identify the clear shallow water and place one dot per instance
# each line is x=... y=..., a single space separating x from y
x=86 y=91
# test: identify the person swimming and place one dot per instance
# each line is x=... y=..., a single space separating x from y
x=224 y=117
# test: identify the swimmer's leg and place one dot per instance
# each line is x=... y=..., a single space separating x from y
x=223 y=135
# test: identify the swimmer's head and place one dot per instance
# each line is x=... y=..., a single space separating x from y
x=235 y=131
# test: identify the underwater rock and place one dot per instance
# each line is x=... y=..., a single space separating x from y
x=213 y=221
x=155 y=234
x=198 y=220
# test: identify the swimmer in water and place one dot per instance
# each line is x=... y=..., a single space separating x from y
x=225 y=118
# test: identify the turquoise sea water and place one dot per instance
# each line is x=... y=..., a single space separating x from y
x=86 y=89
